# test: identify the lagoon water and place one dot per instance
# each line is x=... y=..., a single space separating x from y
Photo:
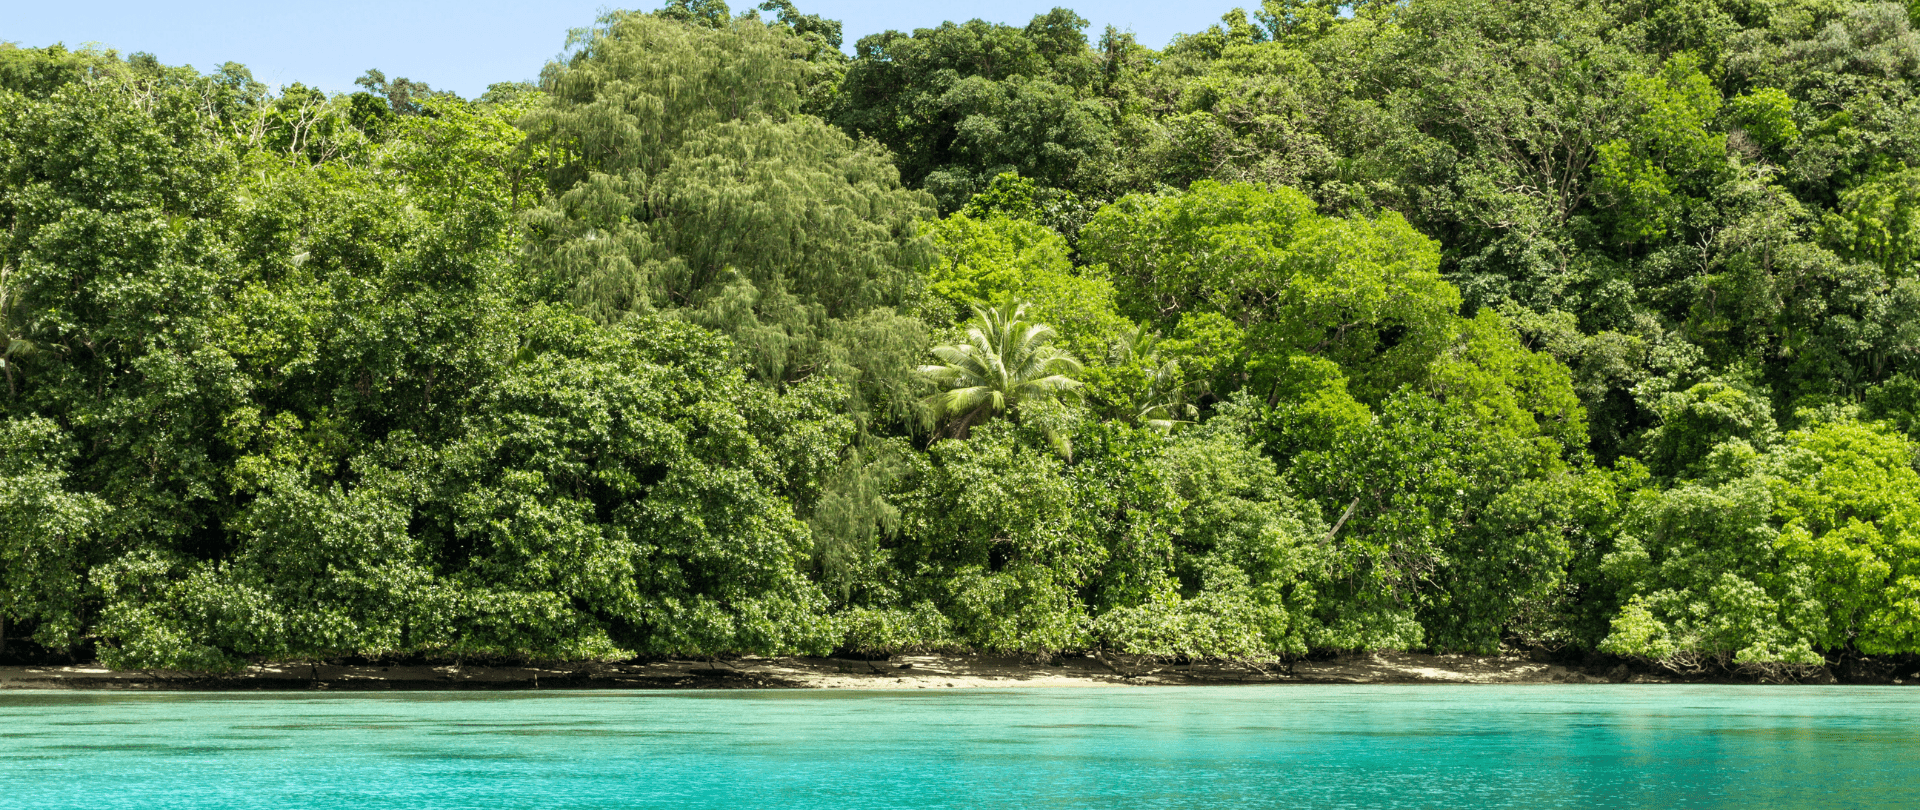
x=1211 y=747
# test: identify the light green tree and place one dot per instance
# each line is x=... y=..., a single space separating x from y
x=986 y=258
x=1771 y=559
x=1364 y=293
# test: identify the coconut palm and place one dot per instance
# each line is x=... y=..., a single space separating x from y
x=1161 y=401
x=1005 y=362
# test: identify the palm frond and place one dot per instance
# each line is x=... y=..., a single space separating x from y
x=1003 y=361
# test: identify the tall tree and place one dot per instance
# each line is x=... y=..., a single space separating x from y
x=686 y=181
x=963 y=102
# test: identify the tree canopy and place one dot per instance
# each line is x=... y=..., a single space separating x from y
x=1586 y=328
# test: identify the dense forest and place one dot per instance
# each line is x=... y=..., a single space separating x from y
x=1443 y=325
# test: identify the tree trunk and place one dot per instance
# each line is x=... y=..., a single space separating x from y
x=1343 y=518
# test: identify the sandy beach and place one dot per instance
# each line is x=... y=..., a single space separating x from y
x=897 y=672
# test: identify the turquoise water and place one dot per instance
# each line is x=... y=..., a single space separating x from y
x=1289 y=746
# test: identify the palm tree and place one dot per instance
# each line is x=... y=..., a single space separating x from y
x=1005 y=362
x=1161 y=402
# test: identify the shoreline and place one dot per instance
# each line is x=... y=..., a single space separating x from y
x=931 y=671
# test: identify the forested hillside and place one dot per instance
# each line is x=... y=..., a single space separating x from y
x=1435 y=325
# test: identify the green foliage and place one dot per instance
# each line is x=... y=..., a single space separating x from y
x=1878 y=222
x=1455 y=507
x=38 y=72
x=1330 y=311
x=1363 y=293
x=1775 y=556
x=1695 y=421
x=1667 y=150
x=994 y=528
x=985 y=260
x=331 y=424
x=853 y=514
x=404 y=96
x=1145 y=384
x=1016 y=197
x=684 y=181
x=701 y=13
x=594 y=502
x=49 y=534
x=1243 y=560
x=963 y=103
x=1896 y=402
x=1006 y=362
x=1766 y=115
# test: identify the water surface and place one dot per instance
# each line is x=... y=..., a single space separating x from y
x=1215 y=747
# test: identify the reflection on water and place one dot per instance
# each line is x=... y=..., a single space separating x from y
x=1285 y=746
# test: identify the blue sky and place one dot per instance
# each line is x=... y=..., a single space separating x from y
x=464 y=46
